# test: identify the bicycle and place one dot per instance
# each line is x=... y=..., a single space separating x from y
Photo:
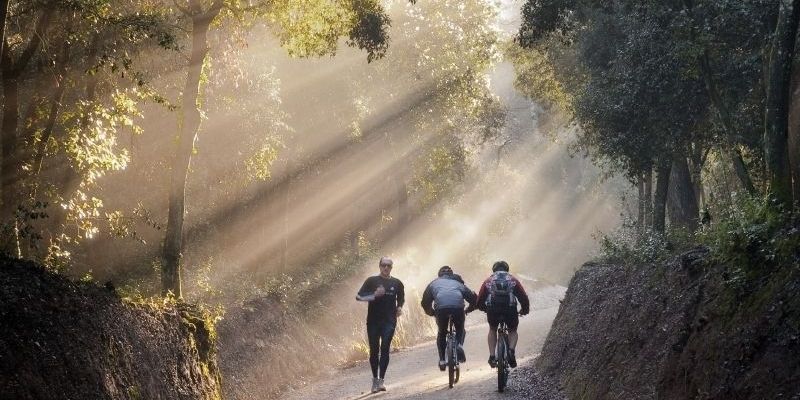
x=451 y=354
x=501 y=355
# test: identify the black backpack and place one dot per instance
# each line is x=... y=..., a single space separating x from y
x=501 y=292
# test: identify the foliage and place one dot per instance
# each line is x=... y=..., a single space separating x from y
x=438 y=173
x=311 y=28
x=626 y=246
x=536 y=76
x=649 y=79
x=754 y=235
x=631 y=245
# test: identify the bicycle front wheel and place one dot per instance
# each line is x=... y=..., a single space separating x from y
x=502 y=364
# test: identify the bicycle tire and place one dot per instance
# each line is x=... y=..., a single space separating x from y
x=454 y=356
x=502 y=364
x=451 y=361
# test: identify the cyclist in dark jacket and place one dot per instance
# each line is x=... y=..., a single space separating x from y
x=444 y=297
x=386 y=296
x=503 y=307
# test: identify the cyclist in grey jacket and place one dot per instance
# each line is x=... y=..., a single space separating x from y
x=444 y=298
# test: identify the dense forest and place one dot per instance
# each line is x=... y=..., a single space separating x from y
x=690 y=100
x=223 y=152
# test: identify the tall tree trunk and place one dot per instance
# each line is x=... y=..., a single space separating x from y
x=640 y=216
x=660 y=195
x=55 y=106
x=403 y=216
x=794 y=134
x=740 y=169
x=187 y=134
x=776 y=135
x=3 y=16
x=285 y=210
x=12 y=70
x=648 y=198
x=9 y=143
x=698 y=159
x=726 y=119
x=681 y=197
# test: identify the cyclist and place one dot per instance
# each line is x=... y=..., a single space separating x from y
x=498 y=297
x=444 y=298
x=386 y=296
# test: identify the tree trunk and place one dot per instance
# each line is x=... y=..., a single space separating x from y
x=698 y=159
x=741 y=171
x=640 y=216
x=660 y=195
x=681 y=196
x=727 y=124
x=794 y=134
x=648 y=198
x=9 y=143
x=285 y=210
x=3 y=16
x=403 y=216
x=776 y=135
x=187 y=134
x=55 y=106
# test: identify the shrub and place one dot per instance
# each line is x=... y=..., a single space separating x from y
x=753 y=234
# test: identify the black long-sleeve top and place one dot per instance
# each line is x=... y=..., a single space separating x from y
x=383 y=308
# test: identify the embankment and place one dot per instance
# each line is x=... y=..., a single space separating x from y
x=688 y=329
x=73 y=340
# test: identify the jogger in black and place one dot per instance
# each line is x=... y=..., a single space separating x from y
x=386 y=296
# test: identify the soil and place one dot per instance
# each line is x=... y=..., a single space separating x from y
x=687 y=329
x=61 y=339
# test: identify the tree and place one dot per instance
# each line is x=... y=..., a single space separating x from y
x=645 y=79
x=776 y=115
x=64 y=89
x=305 y=29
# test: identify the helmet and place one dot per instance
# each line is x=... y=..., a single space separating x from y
x=446 y=270
x=500 y=266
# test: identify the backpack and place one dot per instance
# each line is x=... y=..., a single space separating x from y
x=501 y=291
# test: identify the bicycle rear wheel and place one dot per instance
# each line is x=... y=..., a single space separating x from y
x=451 y=361
x=454 y=357
x=502 y=364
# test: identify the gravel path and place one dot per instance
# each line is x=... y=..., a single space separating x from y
x=413 y=373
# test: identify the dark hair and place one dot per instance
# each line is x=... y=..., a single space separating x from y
x=445 y=270
x=500 y=266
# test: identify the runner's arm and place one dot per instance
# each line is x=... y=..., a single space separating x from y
x=401 y=294
x=367 y=291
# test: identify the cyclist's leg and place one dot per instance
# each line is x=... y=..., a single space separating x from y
x=512 y=320
x=458 y=321
x=441 y=337
x=387 y=333
x=373 y=338
x=492 y=338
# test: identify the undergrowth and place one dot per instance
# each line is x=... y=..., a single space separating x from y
x=753 y=237
x=630 y=245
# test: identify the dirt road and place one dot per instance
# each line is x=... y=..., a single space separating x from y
x=413 y=373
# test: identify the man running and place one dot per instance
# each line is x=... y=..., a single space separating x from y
x=444 y=297
x=386 y=296
x=498 y=297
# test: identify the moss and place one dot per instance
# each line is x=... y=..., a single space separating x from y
x=200 y=322
x=133 y=392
